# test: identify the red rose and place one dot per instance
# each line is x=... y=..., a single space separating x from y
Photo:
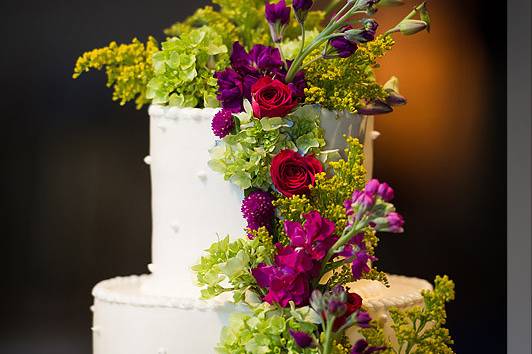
x=292 y=173
x=271 y=98
x=354 y=302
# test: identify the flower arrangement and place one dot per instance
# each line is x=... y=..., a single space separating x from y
x=312 y=215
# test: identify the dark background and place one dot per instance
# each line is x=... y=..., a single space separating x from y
x=76 y=195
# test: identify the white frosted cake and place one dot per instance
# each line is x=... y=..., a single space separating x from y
x=161 y=313
x=191 y=205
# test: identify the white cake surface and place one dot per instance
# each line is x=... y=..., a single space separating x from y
x=127 y=321
x=192 y=206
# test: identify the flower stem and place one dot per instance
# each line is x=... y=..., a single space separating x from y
x=328 y=335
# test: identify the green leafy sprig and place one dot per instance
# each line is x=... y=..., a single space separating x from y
x=419 y=330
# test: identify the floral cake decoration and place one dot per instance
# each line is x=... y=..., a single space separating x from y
x=313 y=217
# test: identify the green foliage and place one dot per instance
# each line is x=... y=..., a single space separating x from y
x=347 y=83
x=420 y=330
x=265 y=330
x=128 y=68
x=241 y=20
x=244 y=157
x=231 y=262
x=184 y=68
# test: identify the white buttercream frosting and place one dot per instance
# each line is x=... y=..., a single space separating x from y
x=192 y=206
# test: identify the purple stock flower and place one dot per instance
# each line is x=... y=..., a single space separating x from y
x=362 y=347
x=363 y=319
x=343 y=47
x=277 y=12
x=392 y=222
x=278 y=16
x=302 y=5
x=302 y=339
x=385 y=192
x=258 y=210
x=301 y=8
x=230 y=90
x=374 y=108
x=360 y=264
x=283 y=283
x=315 y=236
x=235 y=83
x=222 y=123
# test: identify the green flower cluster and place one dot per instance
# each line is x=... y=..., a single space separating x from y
x=241 y=20
x=420 y=330
x=232 y=262
x=128 y=68
x=347 y=83
x=266 y=330
x=184 y=69
x=244 y=157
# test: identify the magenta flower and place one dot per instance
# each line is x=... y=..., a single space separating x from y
x=258 y=210
x=277 y=13
x=315 y=236
x=362 y=347
x=235 y=82
x=222 y=123
x=342 y=48
x=393 y=222
x=363 y=319
x=302 y=339
x=284 y=285
x=295 y=258
x=360 y=264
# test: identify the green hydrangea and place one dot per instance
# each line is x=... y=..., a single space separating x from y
x=229 y=262
x=184 y=68
x=419 y=330
x=265 y=330
x=244 y=158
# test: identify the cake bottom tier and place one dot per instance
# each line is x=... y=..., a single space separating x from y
x=128 y=322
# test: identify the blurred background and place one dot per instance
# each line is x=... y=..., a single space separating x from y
x=76 y=193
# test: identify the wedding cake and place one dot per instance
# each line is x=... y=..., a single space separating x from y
x=265 y=215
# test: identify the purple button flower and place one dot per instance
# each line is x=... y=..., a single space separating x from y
x=258 y=210
x=222 y=123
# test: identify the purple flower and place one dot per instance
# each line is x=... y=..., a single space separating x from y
x=235 y=83
x=258 y=210
x=278 y=12
x=302 y=339
x=302 y=5
x=360 y=264
x=278 y=16
x=230 y=90
x=392 y=222
x=374 y=108
x=363 y=319
x=385 y=192
x=343 y=47
x=222 y=123
x=315 y=236
x=283 y=283
x=362 y=347
x=301 y=8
